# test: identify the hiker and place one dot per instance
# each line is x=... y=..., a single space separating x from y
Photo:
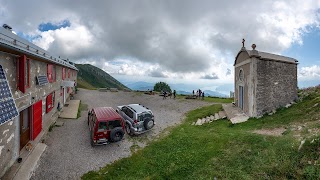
x=192 y=92
x=202 y=95
x=164 y=94
x=197 y=94
x=174 y=94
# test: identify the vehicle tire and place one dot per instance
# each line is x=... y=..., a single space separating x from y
x=128 y=129
x=148 y=123
x=116 y=134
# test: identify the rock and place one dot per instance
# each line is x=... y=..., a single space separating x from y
x=288 y=105
x=198 y=123
x=216 y=116
x=315 y=105
x=193 y=123
x=301 y=144
x=207 y=119
x=222 y=114
x=203 y=120
x=299 y=128
x=211 y=117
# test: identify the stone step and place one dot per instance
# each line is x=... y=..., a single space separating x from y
x=222 y=114
x=216 y=116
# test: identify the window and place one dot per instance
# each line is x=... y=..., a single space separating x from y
x=23 y=73
x=50 y=102
x=241 y=75
x=51 y=73
x=63 y=73
x=114 y=124
x=102 y=126
x=129 y=113
x=68 y=73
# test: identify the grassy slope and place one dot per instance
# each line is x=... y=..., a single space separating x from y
x=227 y=151
x=92 y=77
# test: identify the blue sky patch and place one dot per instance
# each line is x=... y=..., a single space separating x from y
x=307 y=54
x=50 y=26
x=28 y=37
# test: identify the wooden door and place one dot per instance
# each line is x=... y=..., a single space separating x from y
x=24 y=127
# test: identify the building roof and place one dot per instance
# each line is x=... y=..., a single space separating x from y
x=12 y=41
x=267 y=56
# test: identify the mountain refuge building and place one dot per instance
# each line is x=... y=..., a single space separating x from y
x=34 y=85
x=263 y=81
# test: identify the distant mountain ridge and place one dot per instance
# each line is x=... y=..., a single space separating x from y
x=180 y=88
x=91 y=77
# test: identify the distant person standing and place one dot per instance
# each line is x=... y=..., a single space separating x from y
x=202 y=95
x=164 y=94
x=174 y=94
x=192 y=92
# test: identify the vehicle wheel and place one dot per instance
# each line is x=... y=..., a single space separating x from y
x=116 y=134
x=148 y=123
x=128 y=130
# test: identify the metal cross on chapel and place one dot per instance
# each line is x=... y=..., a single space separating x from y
x=243 y=42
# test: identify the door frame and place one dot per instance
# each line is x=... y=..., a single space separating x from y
x=29 y=109
x=64 y=95
x=241 y=97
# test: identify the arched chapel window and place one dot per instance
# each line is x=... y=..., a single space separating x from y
x=241 y=75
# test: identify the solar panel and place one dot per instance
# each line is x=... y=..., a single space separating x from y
x=8 y=109
x=42 y=80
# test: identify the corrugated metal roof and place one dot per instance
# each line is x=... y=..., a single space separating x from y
x=106 y=113
x=14 y=42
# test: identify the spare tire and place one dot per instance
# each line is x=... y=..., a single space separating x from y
x=148 y=123
x=116 y=134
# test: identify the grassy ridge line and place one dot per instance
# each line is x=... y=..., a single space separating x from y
x=227 y=152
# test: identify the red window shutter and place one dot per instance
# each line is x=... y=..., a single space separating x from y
x=49 y=103
x=68 y=73
x=22 y=72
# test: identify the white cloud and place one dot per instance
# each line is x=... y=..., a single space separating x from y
x=175 y=39
x=309 y=73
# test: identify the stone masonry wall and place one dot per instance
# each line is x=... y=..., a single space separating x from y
x=10 y=131
x=276 y=85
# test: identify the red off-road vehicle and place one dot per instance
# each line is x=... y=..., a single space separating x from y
x=105 y=126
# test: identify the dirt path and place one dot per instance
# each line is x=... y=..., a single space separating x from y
x=69 y=154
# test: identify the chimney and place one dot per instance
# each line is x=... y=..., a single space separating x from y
x=7 y=27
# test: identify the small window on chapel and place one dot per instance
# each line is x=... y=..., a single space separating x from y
x=241 y=76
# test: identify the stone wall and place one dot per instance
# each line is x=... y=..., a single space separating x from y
x=10 y=131
x=276 y=85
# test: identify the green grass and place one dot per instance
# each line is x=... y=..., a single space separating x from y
x=218 y=99
x=209 y=99
x=85 y=85
x=82 y=107
x=225 y=151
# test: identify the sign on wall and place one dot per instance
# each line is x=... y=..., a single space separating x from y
x=8 y=109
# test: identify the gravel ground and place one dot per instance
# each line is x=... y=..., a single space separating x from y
x=69 y=154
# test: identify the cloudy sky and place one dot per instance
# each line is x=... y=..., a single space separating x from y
x=177 y=40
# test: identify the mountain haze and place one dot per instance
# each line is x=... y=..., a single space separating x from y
x=91 y=77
